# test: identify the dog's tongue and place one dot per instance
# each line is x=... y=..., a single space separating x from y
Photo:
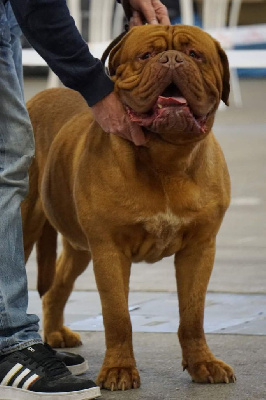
x=170 y=101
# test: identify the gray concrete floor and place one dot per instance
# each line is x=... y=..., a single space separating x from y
x=235 y=307
x=159 y=361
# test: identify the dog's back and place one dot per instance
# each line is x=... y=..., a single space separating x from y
x=55 y=107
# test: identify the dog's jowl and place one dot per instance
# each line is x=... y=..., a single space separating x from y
x=118 y=203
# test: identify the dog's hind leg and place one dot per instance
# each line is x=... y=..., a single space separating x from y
x=46 y=257
x=33 y=217
x=69 y=266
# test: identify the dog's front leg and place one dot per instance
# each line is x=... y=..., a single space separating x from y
x=193 y=269
x=112 y=270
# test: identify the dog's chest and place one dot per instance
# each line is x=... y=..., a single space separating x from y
x=163 y=234
x=163 y=224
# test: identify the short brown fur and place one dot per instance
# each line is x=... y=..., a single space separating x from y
x=117 y=203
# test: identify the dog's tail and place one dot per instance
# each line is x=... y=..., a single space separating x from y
x=46 y=258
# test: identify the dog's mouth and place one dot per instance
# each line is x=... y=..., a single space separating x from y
x=170 y=103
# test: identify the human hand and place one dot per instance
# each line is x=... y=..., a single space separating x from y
x=150 y=11
x=112 y=117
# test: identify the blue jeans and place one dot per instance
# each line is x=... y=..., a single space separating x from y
x=17 y=328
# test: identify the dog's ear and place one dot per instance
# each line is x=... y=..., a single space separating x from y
x=225 y=74
x=115 y=55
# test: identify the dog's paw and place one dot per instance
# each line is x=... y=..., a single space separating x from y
x=118 y=378
x=63 y=338
x=215 y=371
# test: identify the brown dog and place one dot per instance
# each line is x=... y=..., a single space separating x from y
x=117 y=203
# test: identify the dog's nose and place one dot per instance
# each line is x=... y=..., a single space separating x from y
x=171 y=59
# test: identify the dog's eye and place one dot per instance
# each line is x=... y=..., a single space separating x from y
x=145 y=56
x=194 y=54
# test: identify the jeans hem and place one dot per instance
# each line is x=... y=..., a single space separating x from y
x=20 y=346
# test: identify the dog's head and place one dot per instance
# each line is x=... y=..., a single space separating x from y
x=171 y=79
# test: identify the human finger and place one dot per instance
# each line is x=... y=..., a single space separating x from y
x=137 y=135
x=148 y=12
x=161 y=12
x=135 y=20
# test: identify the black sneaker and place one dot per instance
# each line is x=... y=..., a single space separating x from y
x=76 y=364
x=35 y=373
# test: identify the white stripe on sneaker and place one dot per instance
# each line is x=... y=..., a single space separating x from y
x=11 y=374
x=29 y=381
x=20 y=377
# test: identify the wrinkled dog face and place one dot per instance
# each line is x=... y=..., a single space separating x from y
x=171 y=79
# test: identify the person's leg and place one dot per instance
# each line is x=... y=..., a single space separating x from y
x=75 y=363
x=17 y=328
x=15 y=43
x=28 y=368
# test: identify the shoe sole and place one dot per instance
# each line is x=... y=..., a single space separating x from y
x=11 y=393
x=78 y=369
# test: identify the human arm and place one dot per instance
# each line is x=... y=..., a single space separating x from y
x=51 y=30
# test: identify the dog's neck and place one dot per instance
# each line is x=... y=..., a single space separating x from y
x=169 y=159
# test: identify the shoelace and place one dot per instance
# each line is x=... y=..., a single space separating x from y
x=44 y=356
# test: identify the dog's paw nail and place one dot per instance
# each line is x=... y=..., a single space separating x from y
x=135 y=385
x=226 y=379
x=123 y=386
x=210 y=379
x=233 y=378
x=112 y=386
